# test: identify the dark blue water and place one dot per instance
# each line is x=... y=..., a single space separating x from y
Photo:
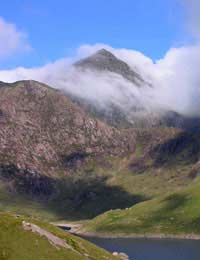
x=152 y=249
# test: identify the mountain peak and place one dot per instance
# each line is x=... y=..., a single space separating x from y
x=97 y=59
x=104 y=61
x=105 y=53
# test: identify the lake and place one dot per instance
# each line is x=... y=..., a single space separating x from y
x=151 y=249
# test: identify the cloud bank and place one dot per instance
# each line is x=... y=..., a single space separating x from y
x=175 y=78
x=12 y=40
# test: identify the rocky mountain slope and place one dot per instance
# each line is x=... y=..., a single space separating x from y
x=61 y=163
x=45 y=143
x=43 y=131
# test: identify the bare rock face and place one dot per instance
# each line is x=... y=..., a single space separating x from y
x=42 y=133
x=53 y=240
x=122 y=256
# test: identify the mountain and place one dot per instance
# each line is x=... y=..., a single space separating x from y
x=57 y=162
x=125 y=103
x=48 y=148
x=57 y=131
x=105 y=61
x=127 y=109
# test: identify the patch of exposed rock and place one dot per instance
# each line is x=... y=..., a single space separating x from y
x=54 y=240
x=121 y=255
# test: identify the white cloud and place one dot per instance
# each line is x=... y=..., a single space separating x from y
x=178 y=73
x=175 y=78
x=12 y=40
x=48 y=73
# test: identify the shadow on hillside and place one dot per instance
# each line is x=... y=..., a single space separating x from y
x=90 y=196
x=194 y=225
x=184 y=149
x=175 y=201
x=73 y=197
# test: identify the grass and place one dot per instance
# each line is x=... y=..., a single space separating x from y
x=152 y=182
x=99 y=187
x=18 y=244
x=21 y=205
x=177 y=213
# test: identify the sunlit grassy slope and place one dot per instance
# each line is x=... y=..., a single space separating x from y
x=18 y=244
x=177 y=213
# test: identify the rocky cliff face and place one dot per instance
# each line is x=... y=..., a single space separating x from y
x=42 y=133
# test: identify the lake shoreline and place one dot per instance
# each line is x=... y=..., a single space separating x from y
x=76 y=230
x=137 y=236
x=149 y=248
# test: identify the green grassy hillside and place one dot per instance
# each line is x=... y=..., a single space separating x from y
x=17 y=243
x=177 y=213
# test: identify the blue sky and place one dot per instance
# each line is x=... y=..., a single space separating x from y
x=56 y=28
